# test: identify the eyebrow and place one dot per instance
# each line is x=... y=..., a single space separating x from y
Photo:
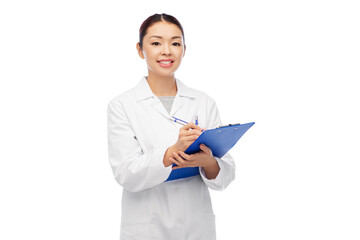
x=162 y=37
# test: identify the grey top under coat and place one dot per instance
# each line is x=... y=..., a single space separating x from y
x=167 y=101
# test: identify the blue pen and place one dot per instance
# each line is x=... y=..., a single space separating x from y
x=178 y=120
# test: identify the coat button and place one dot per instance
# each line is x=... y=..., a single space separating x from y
x=181 y=220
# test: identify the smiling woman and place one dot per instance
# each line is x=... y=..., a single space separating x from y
x=144 y=144
x=163 y=46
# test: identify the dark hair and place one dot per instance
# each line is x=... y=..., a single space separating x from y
x=157 y=18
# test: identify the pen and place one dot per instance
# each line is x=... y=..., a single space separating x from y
x=178 y=120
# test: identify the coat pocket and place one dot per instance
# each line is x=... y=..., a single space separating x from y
x=136 y=228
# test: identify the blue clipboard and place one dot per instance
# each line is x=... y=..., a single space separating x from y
x=220 y=140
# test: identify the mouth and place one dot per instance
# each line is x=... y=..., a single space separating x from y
x=166 y=62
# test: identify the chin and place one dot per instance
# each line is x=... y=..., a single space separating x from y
x=164 y=72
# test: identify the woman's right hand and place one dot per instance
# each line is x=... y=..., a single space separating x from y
x=187 y=135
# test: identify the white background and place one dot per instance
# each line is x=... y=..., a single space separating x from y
x=290 y=66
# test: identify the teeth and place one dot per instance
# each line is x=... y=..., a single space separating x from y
x=165 y=62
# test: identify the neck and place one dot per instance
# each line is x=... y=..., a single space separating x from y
x=162 y=85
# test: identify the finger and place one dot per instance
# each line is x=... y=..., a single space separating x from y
x=186 y=156
x=174 y=161
x=179 y=159
x=191 y=125
x=192 y=132
x=189 y=139
x=186 y=166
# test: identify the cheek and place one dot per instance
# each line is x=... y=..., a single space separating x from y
x=150 y=60
x=179 y=53
x=149 y=54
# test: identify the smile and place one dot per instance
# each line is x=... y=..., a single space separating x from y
x=165 y=63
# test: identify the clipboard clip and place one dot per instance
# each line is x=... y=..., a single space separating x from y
x=228 y=125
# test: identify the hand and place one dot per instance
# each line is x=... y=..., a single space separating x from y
x=204 y=158
x=187 y=135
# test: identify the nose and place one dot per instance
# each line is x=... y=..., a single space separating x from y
x=166 y=50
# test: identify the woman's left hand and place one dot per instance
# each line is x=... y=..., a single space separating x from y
x=204 y=158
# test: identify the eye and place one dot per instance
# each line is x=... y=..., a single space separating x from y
x=176 y=44
x=155 y=43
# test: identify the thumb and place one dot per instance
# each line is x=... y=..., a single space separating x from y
x=204 y=148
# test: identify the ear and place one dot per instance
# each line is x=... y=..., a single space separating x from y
x=140 y=52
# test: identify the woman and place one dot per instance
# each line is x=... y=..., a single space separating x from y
x=144 y=143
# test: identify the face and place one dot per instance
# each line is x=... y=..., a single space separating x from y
x=163 y=48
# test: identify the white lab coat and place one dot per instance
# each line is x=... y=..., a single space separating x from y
x=139 y=132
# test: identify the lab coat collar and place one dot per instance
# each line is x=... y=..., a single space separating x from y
x=143 y=90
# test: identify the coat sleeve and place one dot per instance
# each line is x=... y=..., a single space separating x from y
x=132 y=168
x=226 y=163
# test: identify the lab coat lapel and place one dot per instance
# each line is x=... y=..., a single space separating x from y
x=183 y=94
x=177 y=104
x=144 y=94
x=158 y=106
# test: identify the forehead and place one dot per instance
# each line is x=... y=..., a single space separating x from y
x=163 y=29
